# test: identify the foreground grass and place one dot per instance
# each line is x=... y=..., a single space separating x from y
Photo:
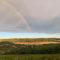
x=31 y=57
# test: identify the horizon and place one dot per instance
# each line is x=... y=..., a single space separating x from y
x=4 y=35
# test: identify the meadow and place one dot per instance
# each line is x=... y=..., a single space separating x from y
x=31 y=57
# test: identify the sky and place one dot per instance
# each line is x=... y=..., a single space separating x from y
x=6 y=35
x=29 y=16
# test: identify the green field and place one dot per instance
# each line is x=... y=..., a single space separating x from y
x=31 y=57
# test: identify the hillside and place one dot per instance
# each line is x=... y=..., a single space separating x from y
x=32 y=40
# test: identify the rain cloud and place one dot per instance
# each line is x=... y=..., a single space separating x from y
x=41 y=16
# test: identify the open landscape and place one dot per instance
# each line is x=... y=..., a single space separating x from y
x=31 y=41
x=29 y=29
x=30 y=49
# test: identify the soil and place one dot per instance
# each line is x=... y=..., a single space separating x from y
x=36 y=43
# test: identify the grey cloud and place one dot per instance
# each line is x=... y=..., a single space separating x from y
x=45 y=26
x=41 y=16
x=9 y=20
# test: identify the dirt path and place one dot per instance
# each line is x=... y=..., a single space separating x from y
x=37 y=43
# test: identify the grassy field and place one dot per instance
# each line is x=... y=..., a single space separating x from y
x=31 y=57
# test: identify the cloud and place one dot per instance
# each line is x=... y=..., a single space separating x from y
x=41 y=16
x=43 y=26
x=43 y=9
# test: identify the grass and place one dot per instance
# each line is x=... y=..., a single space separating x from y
x=31 y=57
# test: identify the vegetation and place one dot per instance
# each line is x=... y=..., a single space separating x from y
x=31 y=57
x=32 y=39
x=11 y=51
x=7 y=48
